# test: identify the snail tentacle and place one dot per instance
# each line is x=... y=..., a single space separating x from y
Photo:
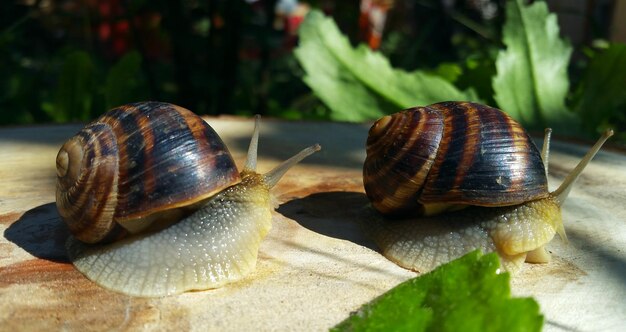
x=250 y=164
x=272 y=177
x=545 y=149
x=564 y=189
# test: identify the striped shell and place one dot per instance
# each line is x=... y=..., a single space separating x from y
x=138 y=164
x=425 y=159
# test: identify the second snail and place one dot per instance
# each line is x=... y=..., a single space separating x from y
x=453 y=177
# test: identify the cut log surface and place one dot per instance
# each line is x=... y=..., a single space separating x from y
x=315 y=266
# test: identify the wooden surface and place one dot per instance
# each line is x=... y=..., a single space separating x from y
x=315 y=266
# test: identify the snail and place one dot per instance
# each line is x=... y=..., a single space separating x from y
x=155 y=203
x=454 y=177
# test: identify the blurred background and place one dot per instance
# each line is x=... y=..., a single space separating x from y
x=72 y=60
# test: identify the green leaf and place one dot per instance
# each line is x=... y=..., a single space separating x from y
x=123 y=82
x=74 y=93
x=467 y=294
x=602 y=92
x=359 y=84
x=448 y=71
x=478 y=73
x=531 y=82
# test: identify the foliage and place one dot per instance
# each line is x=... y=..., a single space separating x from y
x=81 y=86
x=124 y=81
x=531 y=83
x=600 y=98
x=73 y=95
x=358 y=83
x=72 y=60
x=466 y=294
x=528 y=78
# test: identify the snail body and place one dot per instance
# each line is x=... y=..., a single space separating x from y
x=215 y=245
x=456 y=177
x=207 y=239
x=517 y=233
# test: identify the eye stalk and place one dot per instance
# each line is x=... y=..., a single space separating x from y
x=564 y=189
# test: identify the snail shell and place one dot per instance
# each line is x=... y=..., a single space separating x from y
x=460 y=176
x=428 y=159
x=136 y=165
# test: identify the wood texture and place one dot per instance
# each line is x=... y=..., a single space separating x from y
x=315 y=267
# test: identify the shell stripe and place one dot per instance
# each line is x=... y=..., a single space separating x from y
x=124 y=121
x=132 y=163
x=510 y=164
x=139 y=126
x=217 y=158
x=90 y=210
x=488 y=174
x=531 y=180
x=148 y=178
x=485 y=159
x=409 y=156
x=452 y=147
x=471 y=150
x=377 y=144
x=167 y=158
x=166 y=142
x=379 y=138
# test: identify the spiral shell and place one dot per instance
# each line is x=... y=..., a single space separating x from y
x=425 y=159
x=138 y=164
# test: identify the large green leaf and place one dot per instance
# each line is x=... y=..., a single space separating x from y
x=467 y=294
x=359 y=84
x=602 y=92
x=531 y=82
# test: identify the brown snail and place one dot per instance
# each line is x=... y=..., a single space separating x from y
x=157 y=204
x=461 y=176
